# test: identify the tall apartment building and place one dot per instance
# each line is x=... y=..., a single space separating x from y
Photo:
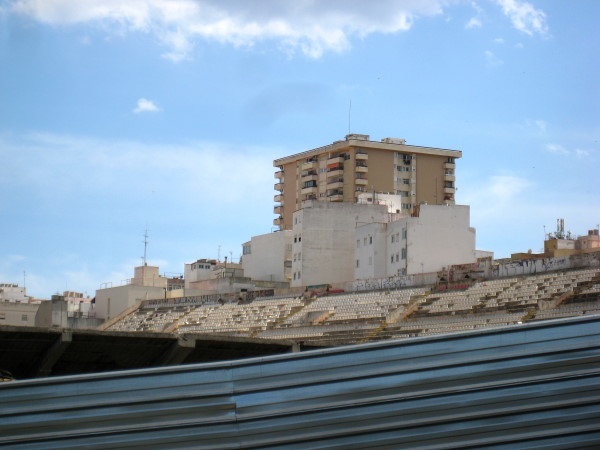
x=339 y=172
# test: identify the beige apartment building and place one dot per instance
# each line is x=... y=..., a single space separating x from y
x=341 y=171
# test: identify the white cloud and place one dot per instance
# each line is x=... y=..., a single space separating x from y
x=524 y=16
x=519 y=45
x=491 y=59
x=499 y=41
x=305 y=26
x=560 y=150
x=145 y=105
x=541 y=125
x=474 y=22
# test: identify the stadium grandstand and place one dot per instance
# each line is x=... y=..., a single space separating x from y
x=332 y=319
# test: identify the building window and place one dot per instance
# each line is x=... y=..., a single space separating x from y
x=392 y=259
x=357 y=243
x=2 y=316
x=405 y=180
x=370 y=240
x=397 y=257
x=357 y=263
x=403 y=253
x=403 y=233
x=247 y=249
x=365 y=241
x=392 y=240
x=448 y=184
x=24 y=317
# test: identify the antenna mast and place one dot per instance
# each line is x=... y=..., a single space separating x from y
x=145 y=246
x=349 y=112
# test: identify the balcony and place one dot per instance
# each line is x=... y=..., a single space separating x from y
x=335 y=159
x=310 y=177
x=448 y=190
x=278 y=209
x=335 y=171
x=310 y=190
x=449 y=178
x=278 y=221
x=336 y=184
x=361 y=181
x=279 y=174
x=361 y=169
x=448 y=165
x=362 y=156
x=279 y=186
x=309 y=165
x=278 y=198
x=335 y=195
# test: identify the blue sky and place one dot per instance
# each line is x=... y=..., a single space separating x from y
x=117 y=117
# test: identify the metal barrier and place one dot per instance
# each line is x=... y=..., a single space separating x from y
x=531 y=385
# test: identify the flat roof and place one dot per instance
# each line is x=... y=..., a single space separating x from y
x=339 y=145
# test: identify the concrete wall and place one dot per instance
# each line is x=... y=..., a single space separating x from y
x=265 y=255
x=18 y=314
x=370 y=251
x=439 y=237
x=324 y=240
x=112 y=301
x=148 y=276
x=13 y=293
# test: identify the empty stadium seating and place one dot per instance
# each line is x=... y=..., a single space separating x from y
x=368 y=316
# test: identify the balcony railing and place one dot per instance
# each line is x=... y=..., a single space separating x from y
x=335 y=159
x=308 y=165
x=279 y=186
x=310 y=190
x=278 y=221
x=279 y=174
x=362 y=156
x=278 y=198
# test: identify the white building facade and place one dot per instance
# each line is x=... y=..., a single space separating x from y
x=268 y=257
x=323 y=240
x=433 y=238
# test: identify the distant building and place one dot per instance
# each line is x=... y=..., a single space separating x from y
x=341 y=171
x=268 y=257
x=431 y=239
x=323 y=242
x=16 y=307
x=13 y=293
x=146 y=284
x=564 y=243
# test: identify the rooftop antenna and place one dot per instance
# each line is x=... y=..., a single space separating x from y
x=145 y=246
x=349 y=113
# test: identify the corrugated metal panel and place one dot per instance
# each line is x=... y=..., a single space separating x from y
x=536 y=385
